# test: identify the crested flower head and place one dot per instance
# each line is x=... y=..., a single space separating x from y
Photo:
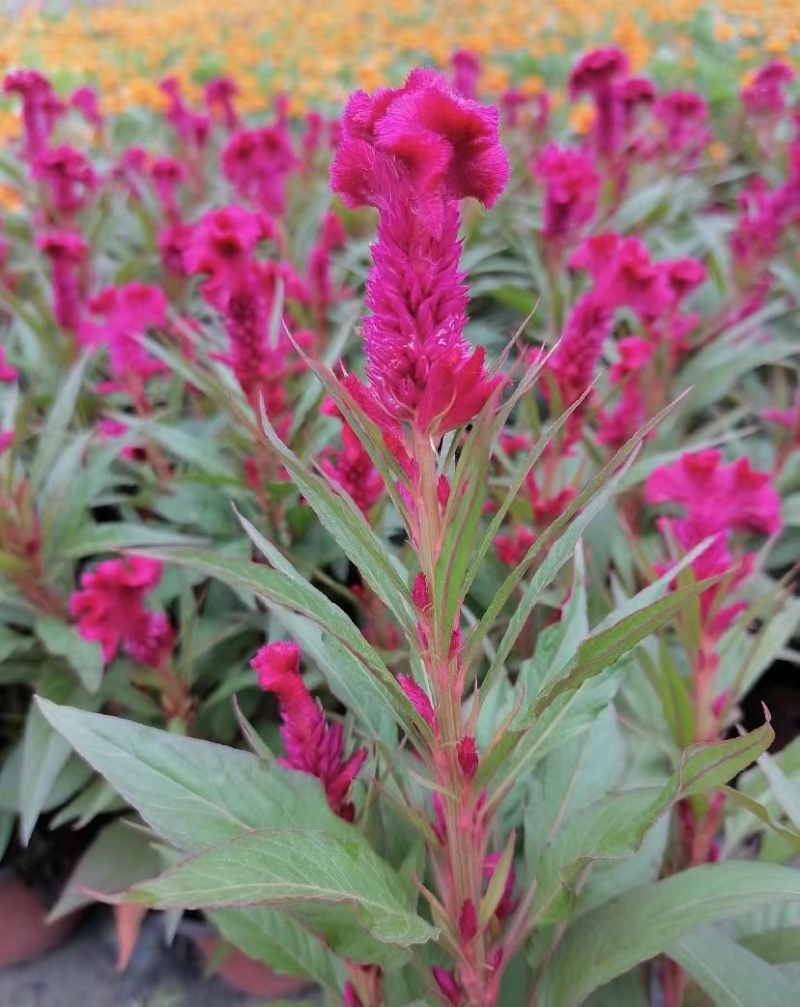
x=572 y=189
x=311 y=744
x=466 y=71
x=68 y=176
x=108 y=608
x=423 y=138
x=123 y=315
x=597 y=71
x=414 y=152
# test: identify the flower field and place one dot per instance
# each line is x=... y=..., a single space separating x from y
x=411 y=412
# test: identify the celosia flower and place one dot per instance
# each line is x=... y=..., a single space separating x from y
x=167 y=174
x=67 y=252
x=6 y=440
x=572 y=366
x=718 y=501
x=624 y=274
x=572 y=189
x=413 y=152
x=126 y=313
x=596 y=73
x=467 y=754
x=683 y=115
x=257 y=163
x=512 y=101
x=192 y=129
x=466 y=71
x=86 y=101
x=765 y=96
x=446 y=982
x=311 y=744
x=108 y=608
x=41 y=108
x=244 y=291
x=353 y=470
x=68 y=176
x=512 y=549
x=150 y=640
x=718 y=496
x=219 y=95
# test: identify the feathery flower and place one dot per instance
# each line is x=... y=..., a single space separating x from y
x=353 y=470
x=68 y=177
x=311 y=744
x=572 y=189
x=414 y=152
x=108 y=608
x=41 y=108
x=596 y=74
x=66 y=252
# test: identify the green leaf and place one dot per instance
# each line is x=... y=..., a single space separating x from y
x=603 y=649
x=193 y=793
x=58 y=421
x=791 y=836
x=554 y=549
x=303 y=869
x=616 y=826
x=340 y=516
x=93 y=539
x=785 y=792
x=274 y=938
x=731 y=975
x=645 y=922
x=119 y=857
x=63 y=640
x=44 y=752
x=297 y=595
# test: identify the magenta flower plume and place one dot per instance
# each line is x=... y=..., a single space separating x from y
x=41 y=108
x=68 y=177
x=7 y=372
x=414 y=152
x=311 y=744
x=718 y=500
x=596 y=73
x=66 y=252
x=124 y=314
x=109 y=609
x=353 y=470
x=572 y=189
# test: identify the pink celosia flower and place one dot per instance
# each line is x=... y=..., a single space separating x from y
x=167 y=174
x=219 y=95
x=683 y=115
x=86 y=101
x=413 y=152
x=624 y=274
x=718 y=500
x=312 y=135
x=192 y=129
x=466 y=71
x=512 y=101
x=257 y=163
x=41 y=108
x=6 y=440
x=7 y=372
x=108 y=608
x=572 y=189
x=126 y=313
x=634 y=93
x=150 y=640
x=353 y=470
x=174 y=241
x=765 y=96
x=311 y=744
x=244 y=291
x=596 y=74
x=66 y=251
x=572 y=366
x=332 y=236
x=68 y=177
x=718 y=496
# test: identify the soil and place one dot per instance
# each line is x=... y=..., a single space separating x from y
x=82 y=973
